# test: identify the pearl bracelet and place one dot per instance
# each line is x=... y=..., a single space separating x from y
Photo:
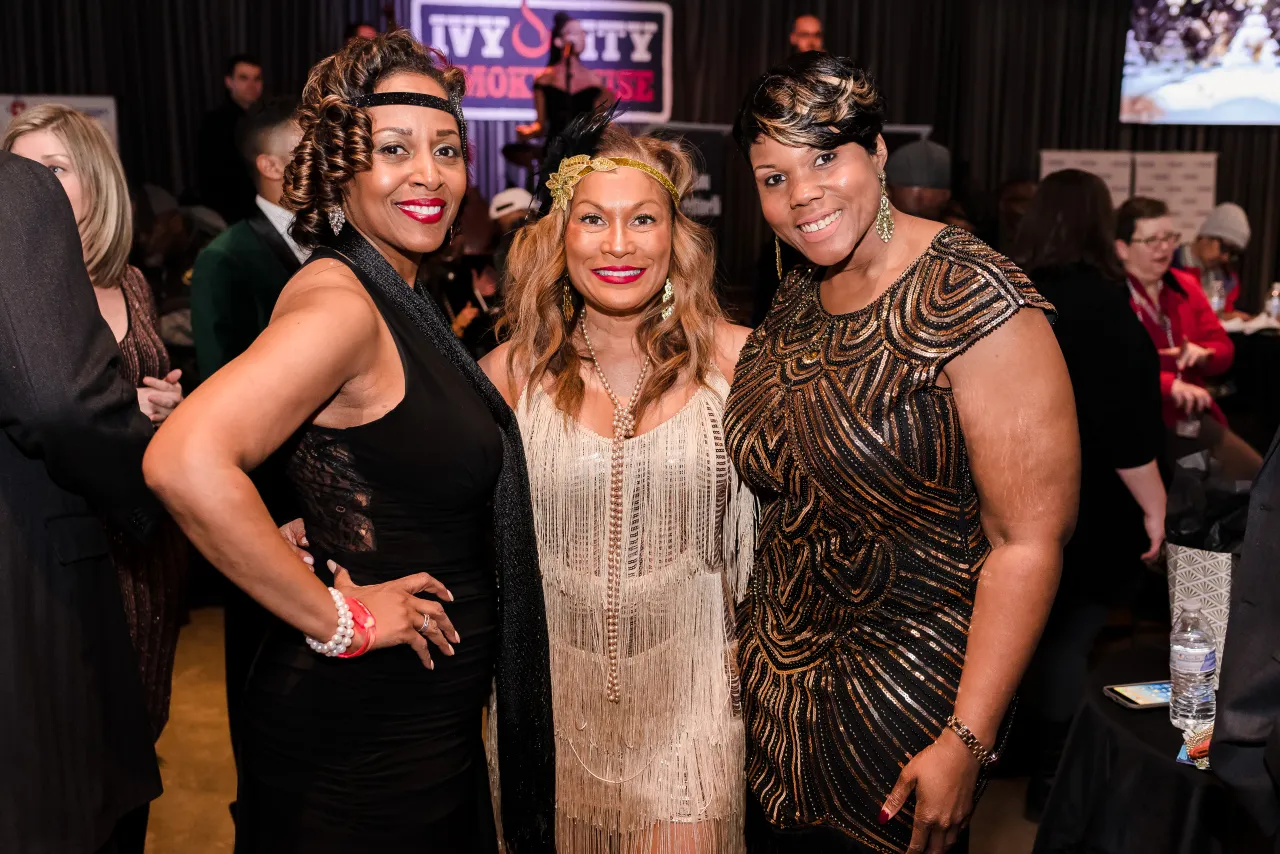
x=341 y=639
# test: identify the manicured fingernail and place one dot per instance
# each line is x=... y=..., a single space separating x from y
x=450 y=595
x=309 y=560
x=333 y=567
x=431 y=665
x=448 y=651
x=457 y=638
x=304 y=541
x=883 y=818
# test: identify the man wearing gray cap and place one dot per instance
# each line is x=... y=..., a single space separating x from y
x=919 y=179
x=1215 y=254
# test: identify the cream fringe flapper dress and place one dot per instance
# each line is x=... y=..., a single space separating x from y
x=649 y=734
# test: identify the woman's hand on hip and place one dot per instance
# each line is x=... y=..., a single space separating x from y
x=400 y=616
x=295 y=534
x=944 y=777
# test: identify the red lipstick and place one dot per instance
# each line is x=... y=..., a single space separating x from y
x=425 y=211
x=618 y=275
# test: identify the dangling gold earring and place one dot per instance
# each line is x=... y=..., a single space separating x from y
x=668 y=299
x=566 y=304
x=884 y=217
x=777 y=255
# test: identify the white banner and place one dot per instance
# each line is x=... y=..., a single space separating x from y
x=1186 y=182
x=101 y=107
x=1115 y=168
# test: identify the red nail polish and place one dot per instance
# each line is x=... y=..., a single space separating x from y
x=883 y=817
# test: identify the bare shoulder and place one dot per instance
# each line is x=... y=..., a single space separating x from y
x=495 y=366
x=327 y=287
x=730 y=339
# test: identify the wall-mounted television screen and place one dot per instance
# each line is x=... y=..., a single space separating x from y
x=1202 y=62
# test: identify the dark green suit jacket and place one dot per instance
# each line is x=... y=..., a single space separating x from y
x=234 y=287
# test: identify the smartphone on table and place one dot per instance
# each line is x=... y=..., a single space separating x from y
x=1140 y=695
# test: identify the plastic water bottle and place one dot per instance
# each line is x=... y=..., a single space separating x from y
x=1216 y=291
x=1273 y=302
x=1193 y=662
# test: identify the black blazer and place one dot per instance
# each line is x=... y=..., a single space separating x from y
x=1245 y=752
x=75 y=745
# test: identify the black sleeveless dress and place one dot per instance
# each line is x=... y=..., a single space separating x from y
x=378 y=753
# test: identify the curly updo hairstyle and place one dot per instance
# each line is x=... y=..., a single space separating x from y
x=336 y=137
x=813 y=100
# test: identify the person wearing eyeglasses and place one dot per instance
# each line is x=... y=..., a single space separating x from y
x=1186 y=332
x=1190 y=339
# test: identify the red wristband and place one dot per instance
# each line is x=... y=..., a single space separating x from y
x=362 y=617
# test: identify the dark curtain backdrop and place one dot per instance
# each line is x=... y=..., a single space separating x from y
x=999 y=80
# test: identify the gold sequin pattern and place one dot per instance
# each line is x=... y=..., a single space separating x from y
x=853 y=633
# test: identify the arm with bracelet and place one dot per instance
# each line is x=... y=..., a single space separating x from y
x=325 y=360
x=1018 y=416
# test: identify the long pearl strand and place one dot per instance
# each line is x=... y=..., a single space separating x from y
x=624 y=425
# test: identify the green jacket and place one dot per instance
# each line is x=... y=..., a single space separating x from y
x=234 y=286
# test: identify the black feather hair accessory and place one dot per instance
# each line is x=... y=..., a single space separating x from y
x=580 y=137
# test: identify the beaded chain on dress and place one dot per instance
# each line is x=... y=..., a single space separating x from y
x=659 y=769
x=624 y=426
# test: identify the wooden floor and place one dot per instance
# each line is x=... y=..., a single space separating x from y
x=199 y=778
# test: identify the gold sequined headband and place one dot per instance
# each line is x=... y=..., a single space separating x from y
x=574 y=169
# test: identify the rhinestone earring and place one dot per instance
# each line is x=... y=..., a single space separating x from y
x=668 y=299
x=336 y=219
x=566 y=304
x=884 y=217
x=777 y=255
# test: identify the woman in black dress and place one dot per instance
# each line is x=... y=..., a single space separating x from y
x=402 y=456
x=567 y=88
x=905 y=418
x=1066 y=243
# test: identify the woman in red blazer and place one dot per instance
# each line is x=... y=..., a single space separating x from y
x=1187 y=334
x=1190 y=339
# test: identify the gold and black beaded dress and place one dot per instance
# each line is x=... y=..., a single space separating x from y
x=853 y=633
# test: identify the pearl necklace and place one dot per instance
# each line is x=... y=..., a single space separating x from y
x=624 y=425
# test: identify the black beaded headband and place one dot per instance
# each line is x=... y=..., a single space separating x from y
x=417 y=99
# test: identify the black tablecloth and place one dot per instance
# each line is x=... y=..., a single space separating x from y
x=1120 y=788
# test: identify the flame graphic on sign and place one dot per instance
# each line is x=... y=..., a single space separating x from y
x=544 y=35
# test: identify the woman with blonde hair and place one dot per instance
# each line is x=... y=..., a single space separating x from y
x=618 y=364
x=78 y=151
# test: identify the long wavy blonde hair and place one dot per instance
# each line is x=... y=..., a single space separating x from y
x=541 y=340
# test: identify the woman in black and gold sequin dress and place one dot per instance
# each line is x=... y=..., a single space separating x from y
x=909 y=430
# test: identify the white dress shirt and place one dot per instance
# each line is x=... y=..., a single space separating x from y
x=281 y=219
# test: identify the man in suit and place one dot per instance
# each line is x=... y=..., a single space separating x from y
x=221 y=179
x=77 y=765
x=234 y=286
x=239 y=275
x=1245 y=753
